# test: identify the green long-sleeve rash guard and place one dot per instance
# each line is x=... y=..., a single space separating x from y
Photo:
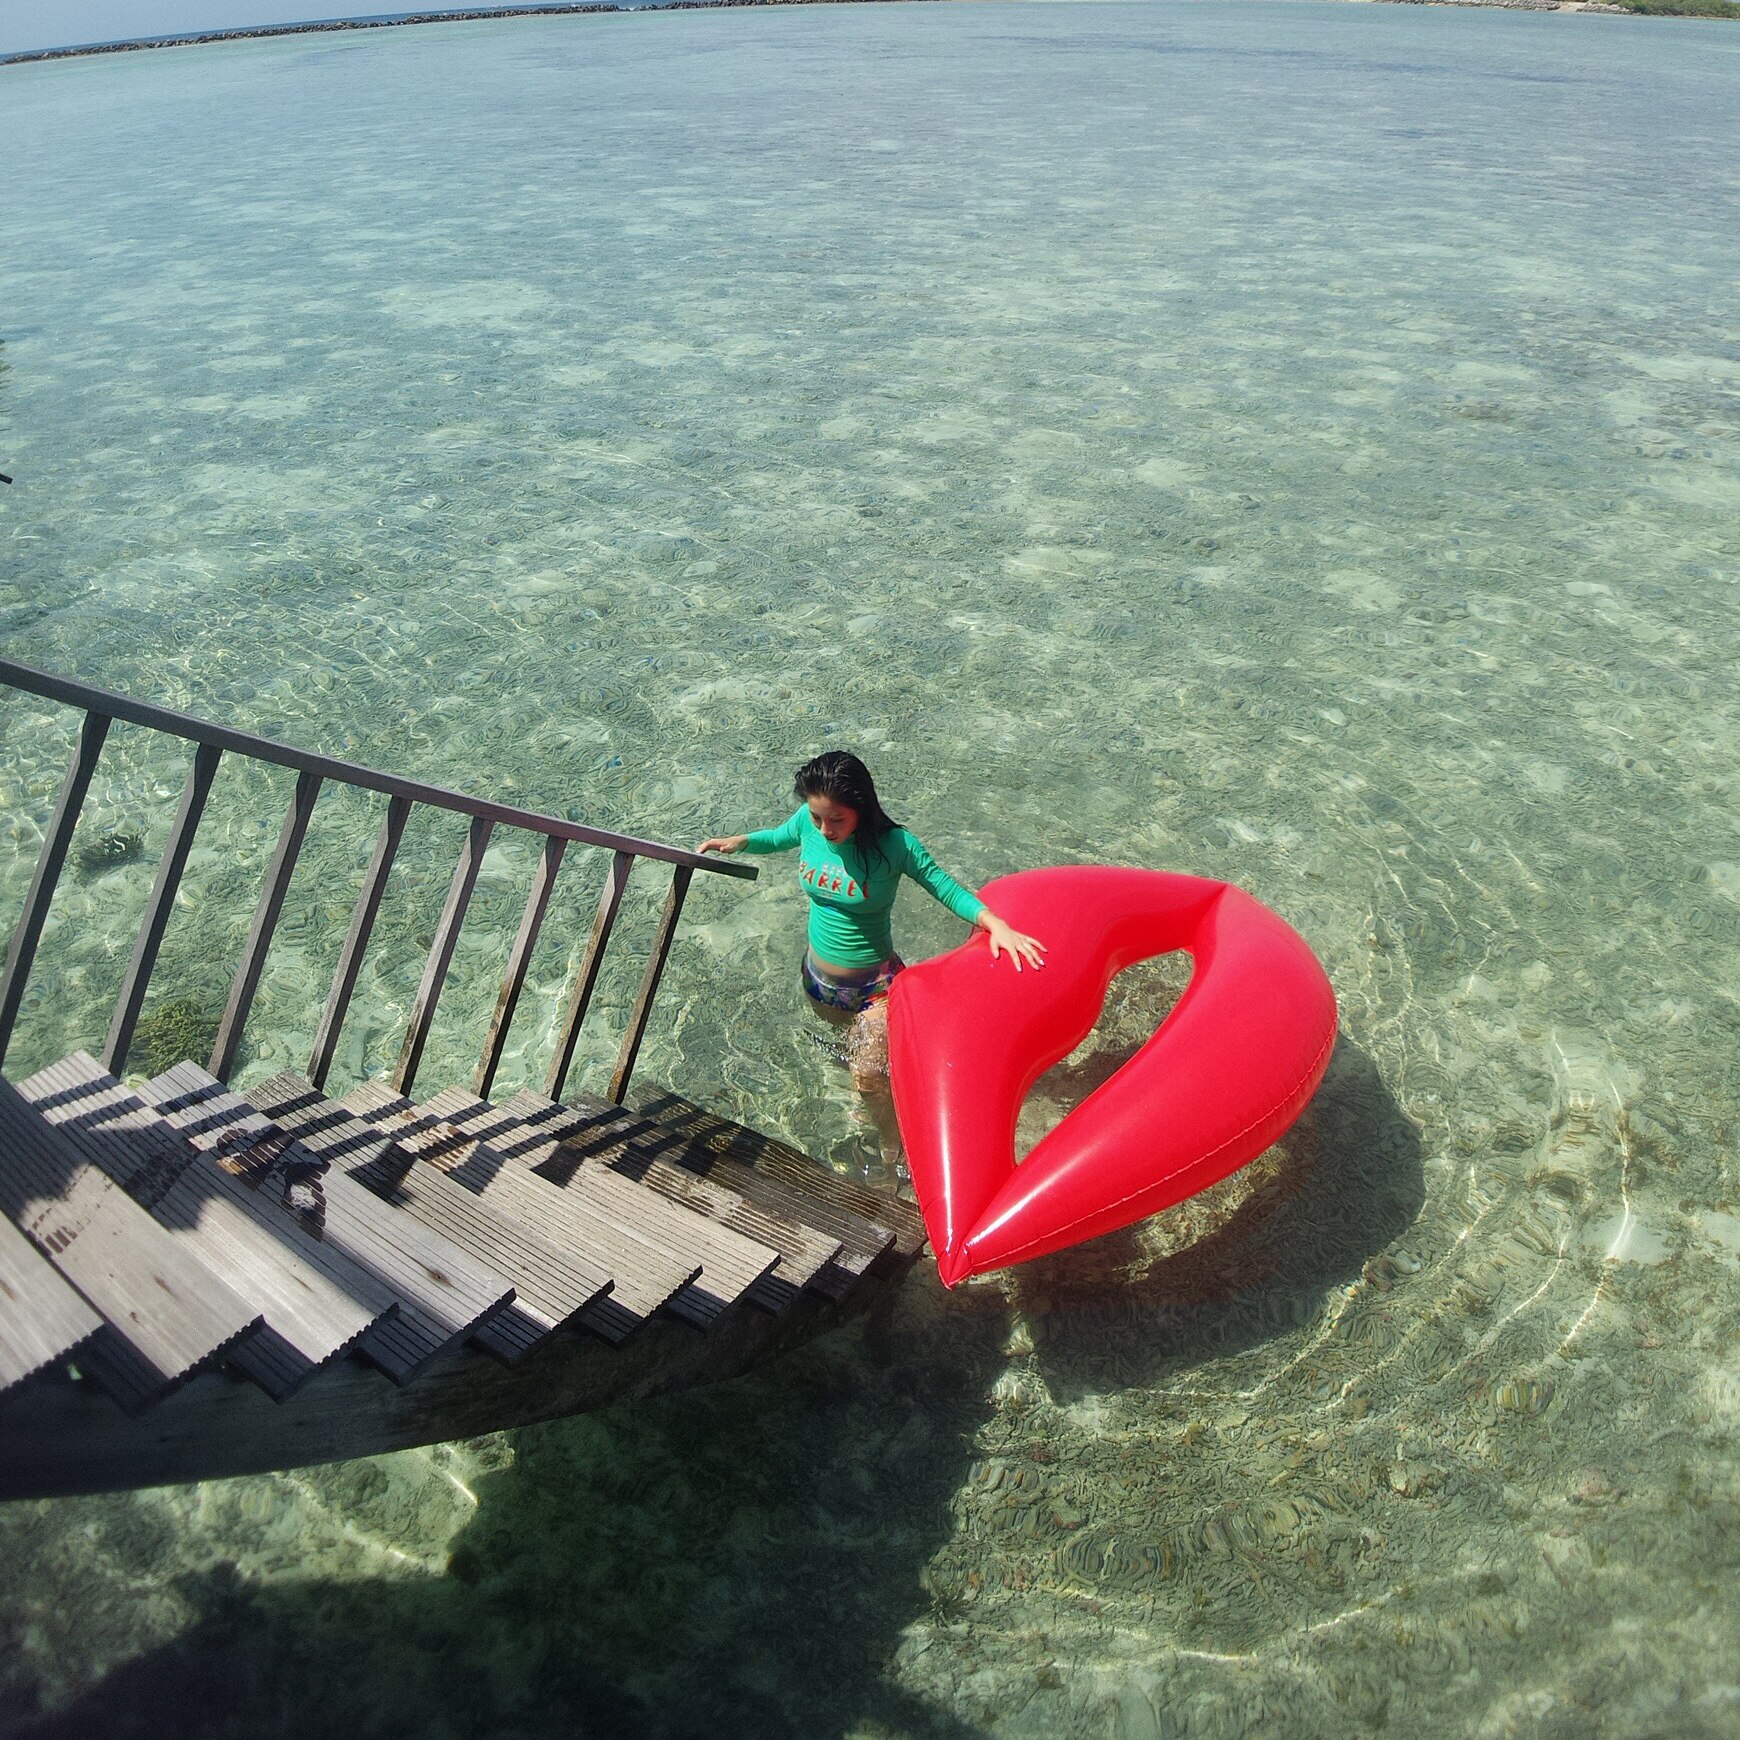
x=852 y=891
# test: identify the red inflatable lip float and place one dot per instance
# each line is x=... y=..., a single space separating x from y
x=1226 y=1074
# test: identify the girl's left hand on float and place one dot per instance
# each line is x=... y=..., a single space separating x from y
x=1005 y=936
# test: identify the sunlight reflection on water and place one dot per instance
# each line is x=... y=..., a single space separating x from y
x=1295 y=445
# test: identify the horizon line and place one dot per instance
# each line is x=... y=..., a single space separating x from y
x=393 y=20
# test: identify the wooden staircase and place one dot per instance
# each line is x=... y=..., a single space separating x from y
x=200 y=1284
x=196 y=1282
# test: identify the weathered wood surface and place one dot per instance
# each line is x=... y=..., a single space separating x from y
x=61 y=1433
x=356 y=941
x=58 y=1437
x=645 y=1279
x=42 y=1318
x=560 y=1140
x=443 y=1293
x=649 y=983
x=730 y=1263
x=316 y=1301
x=164 y=1312
x=265 y=921
x=551 y=1286
x=519 y=963
x=586 y=978
x=441 y=949
x=776 y=1161
x=714 y=1146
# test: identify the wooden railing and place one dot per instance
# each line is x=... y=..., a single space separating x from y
x=211 y=743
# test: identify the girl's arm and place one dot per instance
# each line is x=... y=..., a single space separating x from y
x=784 y=838
x=936 y=881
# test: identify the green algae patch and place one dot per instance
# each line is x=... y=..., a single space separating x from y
x=178 y=1031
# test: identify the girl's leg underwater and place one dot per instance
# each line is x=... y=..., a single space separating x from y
x=867 y=1056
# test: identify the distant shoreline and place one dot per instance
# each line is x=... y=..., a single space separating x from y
x=579 y=8
x=391 y=21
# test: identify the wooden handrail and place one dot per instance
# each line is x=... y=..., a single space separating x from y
x=211 y=742
x=113 y=706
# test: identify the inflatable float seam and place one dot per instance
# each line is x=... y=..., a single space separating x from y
x=1317 y=1063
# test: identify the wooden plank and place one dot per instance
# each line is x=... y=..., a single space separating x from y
x=646 y=1277
x=362 y=922
x=276 y=886
x=315 y=1301
x=731 y=1263
x=159 y=906
x=519 y=960
x=441 y=952
x=165 y=1313
x=558 y=1140
x=43 y=1318
x=649 y=984
x=706 y=1143
x=586 y=979
x=443 y=1293
x=774 y=1159
x=551 y=1286
x=40 y=895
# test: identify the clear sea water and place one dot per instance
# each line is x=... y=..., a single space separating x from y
x=1291 y=443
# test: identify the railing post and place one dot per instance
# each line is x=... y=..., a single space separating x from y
x=159 y=906
x=519 y=960
x=277 y=884
x=350 y=957
x=649 y=983
x=55 y=841
x=441 y=952
x=615 y=881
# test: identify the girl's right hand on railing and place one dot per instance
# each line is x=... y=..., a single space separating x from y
x=729 y=843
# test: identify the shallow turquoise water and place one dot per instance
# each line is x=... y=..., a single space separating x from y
x=1295 y=444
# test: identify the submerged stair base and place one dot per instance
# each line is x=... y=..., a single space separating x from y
x=63 y=1436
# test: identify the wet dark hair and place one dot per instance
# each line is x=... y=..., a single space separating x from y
x=844 y=779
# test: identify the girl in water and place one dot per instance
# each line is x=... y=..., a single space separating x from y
x=851 y=857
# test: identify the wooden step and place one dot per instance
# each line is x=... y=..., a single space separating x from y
x=44 y=1318
x=868 y=1223
x=551 y=1286
x=316 y=1301
x=561 y=1139
x=773 y=1158
x=645 y=1278
x=165 y=1314
x=731 y=1264
x=862 y=1242
x=443 y=1293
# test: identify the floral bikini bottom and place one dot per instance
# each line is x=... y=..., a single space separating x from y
x=852 y=991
